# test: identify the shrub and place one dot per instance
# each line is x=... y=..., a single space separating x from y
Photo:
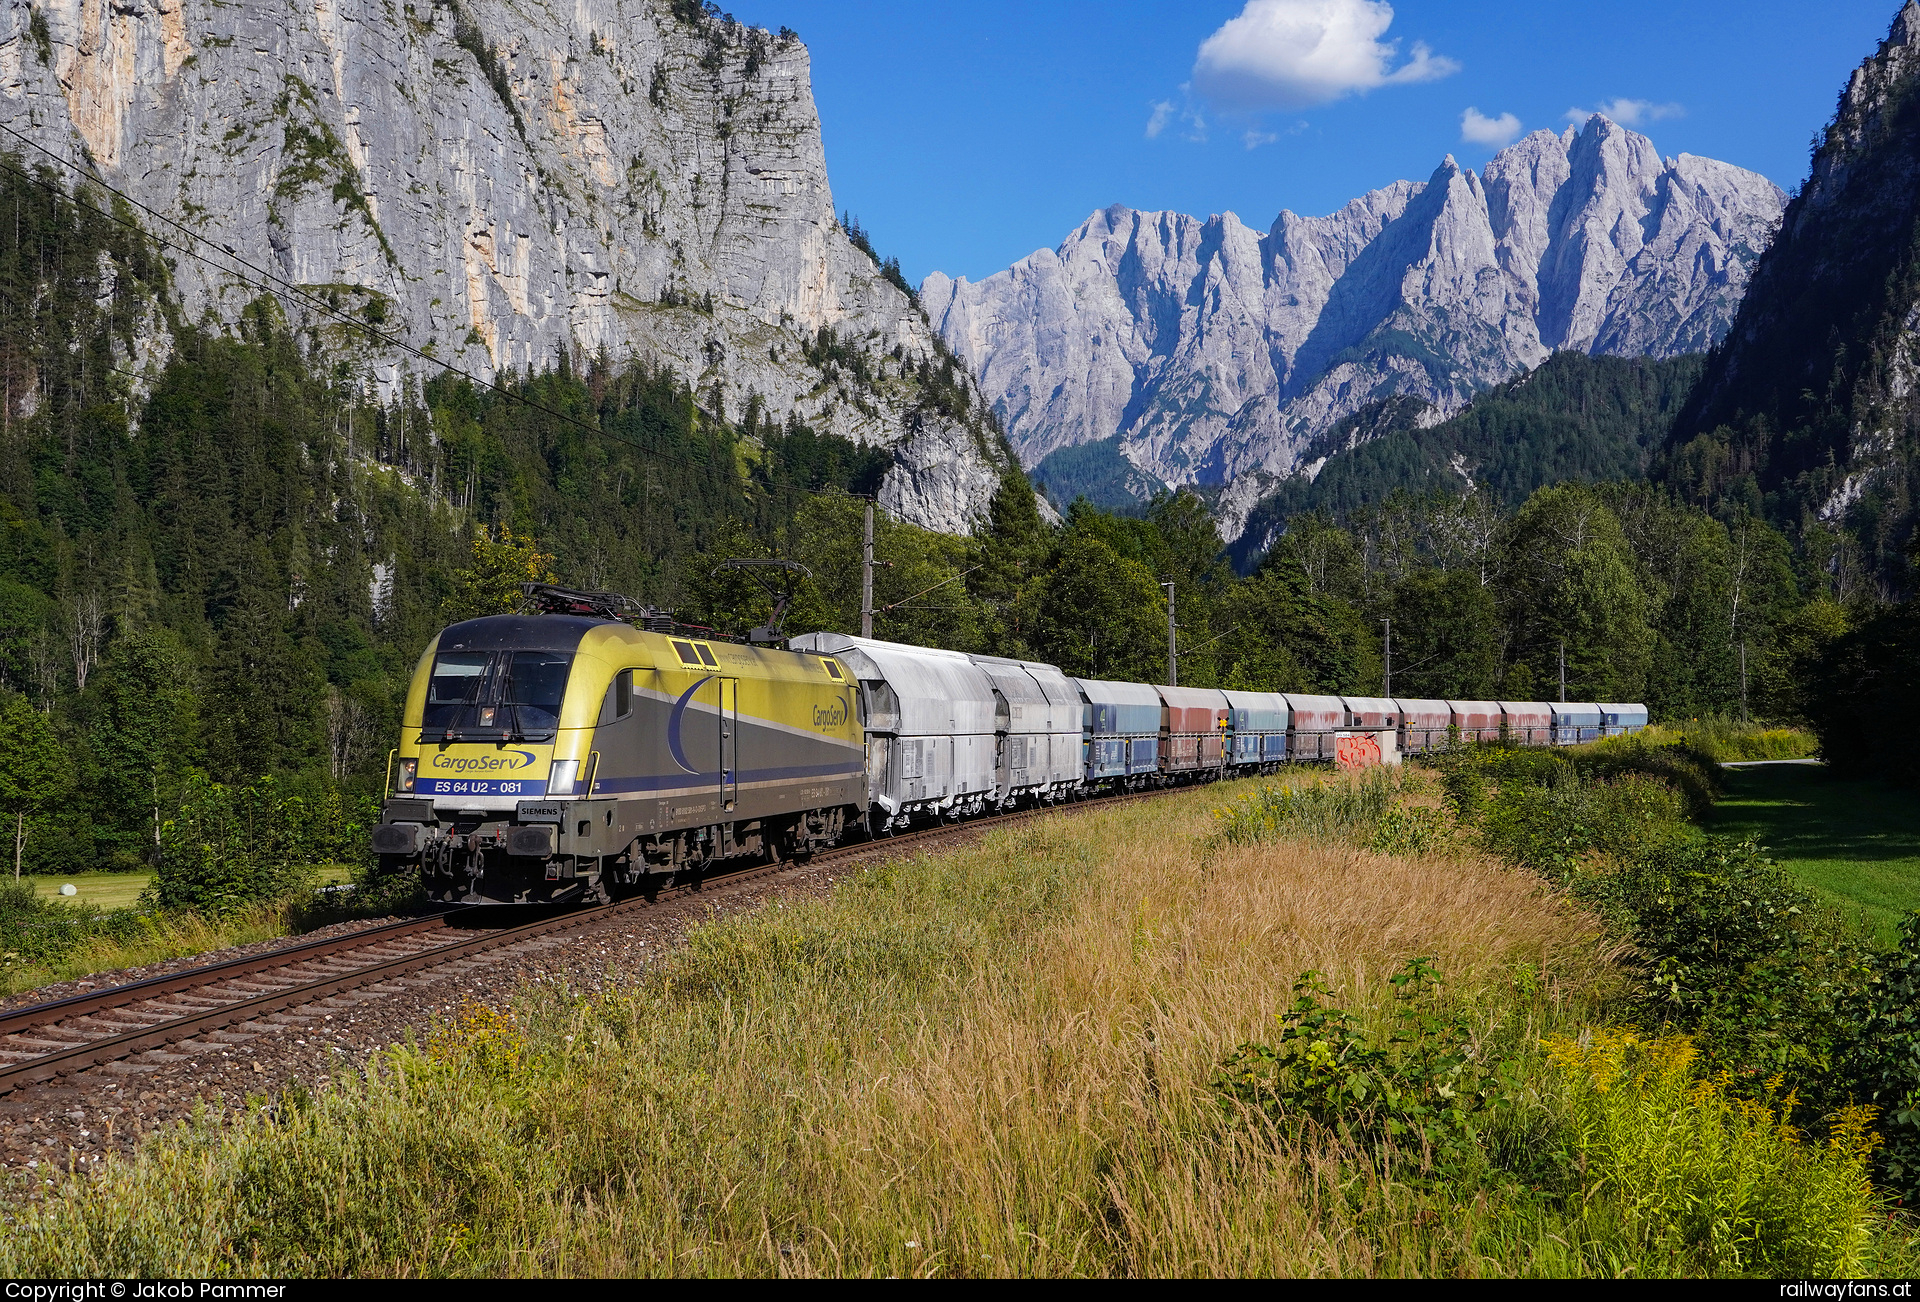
x=1690 y=1178
x=1883 y=1060
x=1422 y=1089
x=1561 y=811
x=1564 y=826
x=227 y=847
x=1408 y=829
x=1736 y=950
x=1726 y=740
x=1687 y=768
x=1320 y=809
x=35 y=930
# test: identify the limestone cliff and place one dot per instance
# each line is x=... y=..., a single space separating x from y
x=1811 y=408
x=496 y=182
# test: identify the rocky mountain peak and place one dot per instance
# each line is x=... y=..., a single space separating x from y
x=1813 y=402
x=1211 y=352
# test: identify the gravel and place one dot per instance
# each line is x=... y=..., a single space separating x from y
x=128 y=975
x=74 y=1123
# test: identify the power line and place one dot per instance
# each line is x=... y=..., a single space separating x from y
x=318 y=304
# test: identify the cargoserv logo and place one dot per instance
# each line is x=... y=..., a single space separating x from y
x=834 y=715
x=505 y=762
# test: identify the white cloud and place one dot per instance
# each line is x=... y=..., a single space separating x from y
x=1166 y=113
x=1479 y=129
x=1292 y=53
x=1628 y=112
x=1255 y=139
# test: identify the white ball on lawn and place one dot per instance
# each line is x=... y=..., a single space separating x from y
x=69 y=889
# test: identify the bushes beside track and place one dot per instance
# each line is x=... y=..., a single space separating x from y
x=236 y=864
x=1723 y=946
x=1051 y=1052
x=1728 y=948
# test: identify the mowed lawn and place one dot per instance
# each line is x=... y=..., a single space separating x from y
x=1857 y=842
x=107 y=890
x=122 y=890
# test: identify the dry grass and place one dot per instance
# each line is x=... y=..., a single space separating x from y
x=992 y=1063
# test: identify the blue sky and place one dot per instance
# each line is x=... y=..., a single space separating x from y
x=964 y=136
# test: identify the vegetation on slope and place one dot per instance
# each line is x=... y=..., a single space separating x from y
x=1575 y=418
x=1119 y=1042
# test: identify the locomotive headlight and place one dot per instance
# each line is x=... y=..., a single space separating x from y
x=560 y=783
x=403 y=783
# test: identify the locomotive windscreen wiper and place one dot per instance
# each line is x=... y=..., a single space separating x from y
x=495 y=696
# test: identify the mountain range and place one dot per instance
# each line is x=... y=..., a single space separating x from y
x=1213 y=354
x=495 y=183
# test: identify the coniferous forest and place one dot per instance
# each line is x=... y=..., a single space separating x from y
x=225 y=567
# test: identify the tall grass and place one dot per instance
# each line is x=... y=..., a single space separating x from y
x=995 y=1062
x=1369 y=808
x=1729 y=741
x=107 y=942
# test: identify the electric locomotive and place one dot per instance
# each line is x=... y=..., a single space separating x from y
x=595 y=748
x=568 y=755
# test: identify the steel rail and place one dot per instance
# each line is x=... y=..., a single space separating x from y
x=167 y=983
x=100 y=1049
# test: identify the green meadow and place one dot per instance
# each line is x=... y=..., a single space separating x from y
x=1858 y=843
x=122 y=890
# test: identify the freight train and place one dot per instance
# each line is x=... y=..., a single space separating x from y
x=583 y=754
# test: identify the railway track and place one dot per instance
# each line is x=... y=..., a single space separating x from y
x=206 y=1008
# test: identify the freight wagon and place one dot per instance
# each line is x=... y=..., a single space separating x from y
x=571 y=755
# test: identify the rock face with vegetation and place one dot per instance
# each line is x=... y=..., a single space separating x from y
x=1810 y=408
x=1210 y=350
x=493 y=184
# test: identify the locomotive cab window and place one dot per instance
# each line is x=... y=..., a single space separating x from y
x=455 y=684
x=619 y=702
x=536 y=684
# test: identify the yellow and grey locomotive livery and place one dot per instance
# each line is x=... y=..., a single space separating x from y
x=562 y=757
x=570 y=755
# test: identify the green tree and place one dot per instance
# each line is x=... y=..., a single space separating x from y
x=1284 y=637
x=1446 y=633
x=1571 y=583
x=34 y=770
x=143 y=737
x=1185 y=542
x=1012 y=557
x=490 y=585
x=1100 y=614
x=1782 y=675
x=229 y=846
